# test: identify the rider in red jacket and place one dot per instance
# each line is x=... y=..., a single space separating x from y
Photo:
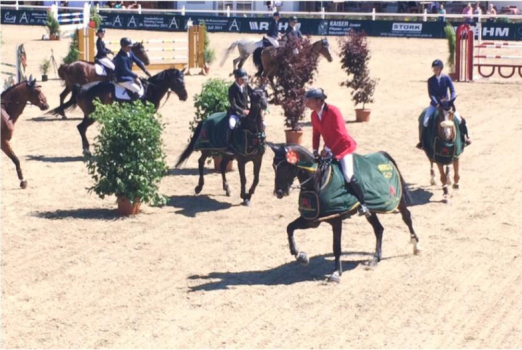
x=328 y=122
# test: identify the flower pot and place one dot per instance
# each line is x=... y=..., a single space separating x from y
x=217 y=164
x=362 y=115
x=206 y=68
x=44 y=77
x=54 y=37
x=294 y=137
x=92 y=24
x=126 y=208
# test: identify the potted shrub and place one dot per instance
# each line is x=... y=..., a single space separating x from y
x=297 y=67
x=450 y=35
x=128 y=159
x=212 y=99
x=355 y=57
x=53 y=27
x=74 y=53
x=95 y=18
x=209 y=54
x=44 y=68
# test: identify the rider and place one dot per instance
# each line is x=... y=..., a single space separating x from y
x=292 y=29
x=328 y=122
x=438 y=86
x=125 y=77
x=239 y=97
x=101 y=55
x=272 y=35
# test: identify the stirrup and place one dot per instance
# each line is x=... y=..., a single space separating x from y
x=363 y=210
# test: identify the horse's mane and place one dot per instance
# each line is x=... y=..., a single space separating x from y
x=12 y=88
x=161 y=75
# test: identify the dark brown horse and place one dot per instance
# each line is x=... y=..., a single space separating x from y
x=82 y=72
x=14 y=101
x=156 y=88
x=267 y=64
x=253 y=122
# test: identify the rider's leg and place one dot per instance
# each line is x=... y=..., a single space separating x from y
x=133 y=87
x=273 y=41
x=109 y=66
x=463 y=128
x=353 y=184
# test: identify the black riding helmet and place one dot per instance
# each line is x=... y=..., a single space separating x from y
x=316 y=93
x=125 y=42
x=240 y=73
x=100 y=30
x=293 y=19
x=276 y=14
x=437 y=63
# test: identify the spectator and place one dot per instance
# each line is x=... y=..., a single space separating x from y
x=442 y=13
x=434 y=7
x=477 y=12
x=468 y=12
x=134 y=5
x=491 y=12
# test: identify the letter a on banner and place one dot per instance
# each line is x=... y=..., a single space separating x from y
x=173 y=23
x=234 y=26
x=132 y=22
x=23 y=18
x=117 y=22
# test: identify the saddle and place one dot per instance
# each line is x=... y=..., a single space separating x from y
x=123 y=94
x=103 y=71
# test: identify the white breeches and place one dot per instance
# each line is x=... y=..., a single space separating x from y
x=132 y=86
x=431 y=111
x=232 y=121
x=347 y=166
x=106 y=61
x=273 y=41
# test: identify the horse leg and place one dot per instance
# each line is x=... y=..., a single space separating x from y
x=242 y=178
x=63 y=95
x=337 y=227
x=443 y=179
x=82 y=129
x=406 y=217
x=448 y=175
x=257 y=169
x=234 y=64
x=299 y=224
x=223 y=169
x=456 y=177
x=201 y=164
x=6 y=147
x=432 y=175
x=378 y=229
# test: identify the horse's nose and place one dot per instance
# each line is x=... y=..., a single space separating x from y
x=279 y=194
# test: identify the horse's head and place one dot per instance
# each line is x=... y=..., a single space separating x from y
x=139 y=50
x=174 y=79
x=35 y=94
x=323 y=47
x=446 y=124
x=258 y=104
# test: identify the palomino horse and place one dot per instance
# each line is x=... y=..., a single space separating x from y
x=82 y=72
x=285 y=174
x=14 y=101
x=267 y=64
x=246 y=47
x=253 y=122
x=156 y=88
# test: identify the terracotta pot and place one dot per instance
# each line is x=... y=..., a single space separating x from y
x=294 y=137
x=92 y=24
x=44 y=77
x=206 y=68
x=126 y=208
x=362 y=115
x=54 y=37
x=217 y=165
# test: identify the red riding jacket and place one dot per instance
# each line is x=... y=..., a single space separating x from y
x=333 y=130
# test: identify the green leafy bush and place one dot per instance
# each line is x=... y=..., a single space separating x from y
x=212 y=99
x=450 y=35
x=74 y=53
x=128 y=158
x=52 y=24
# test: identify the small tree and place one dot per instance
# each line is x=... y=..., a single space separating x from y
x=52 y=24
x=44 y=66
x=128 y=159
x=355 y=57
x=450 y=35
x=95 y=17
x=209 y=54
x=212 y=99
x=74 y=53
x=297 y=67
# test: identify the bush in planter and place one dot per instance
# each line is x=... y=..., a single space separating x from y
x=44 y=68
x=128 y=159
x=450 y=35
x=95 y=17
x=74 y=53
x=355 y=57
x=293 y=73
x=53 y=27
x=212 y=99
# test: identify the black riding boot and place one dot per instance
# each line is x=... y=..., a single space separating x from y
x=356 y=190
x=110 y=74
x=464 y=132
x=422 y=132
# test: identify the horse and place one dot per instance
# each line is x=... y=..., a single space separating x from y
x=83 y=72
x=285 y=174
x=266 y=64
x=246 y=47
x=446 y=131
x=253 y=122
x=155 y=89
x=14 y=100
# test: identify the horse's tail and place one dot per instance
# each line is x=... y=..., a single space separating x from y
x=228 y=51
x=258 y=62
x=71 y=104
x=190 y=148
x=406 y=194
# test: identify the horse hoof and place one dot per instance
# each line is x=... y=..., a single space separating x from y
x=246 y=203
x=198 y=189
x=456 y=186
x=302 y=258
x=372 y=264
x=433 y=182
x=416 y=249
x=23 y=184
x=227 y=193
x=334 y=277
x=86 y=152
x=446 y=201
x=64 y=117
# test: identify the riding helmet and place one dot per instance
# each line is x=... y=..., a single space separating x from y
x=276 y=14
x=293 y=19
x=316 y=93
x=125 y=42
x=240 y=73
x=437 y=63
x=100 y=30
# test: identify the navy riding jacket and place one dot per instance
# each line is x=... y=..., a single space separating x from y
x=123 y=63
x=273 y=29
x=440 y=90
x=102 y=50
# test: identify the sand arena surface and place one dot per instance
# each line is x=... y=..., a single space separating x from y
x=205 y=271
